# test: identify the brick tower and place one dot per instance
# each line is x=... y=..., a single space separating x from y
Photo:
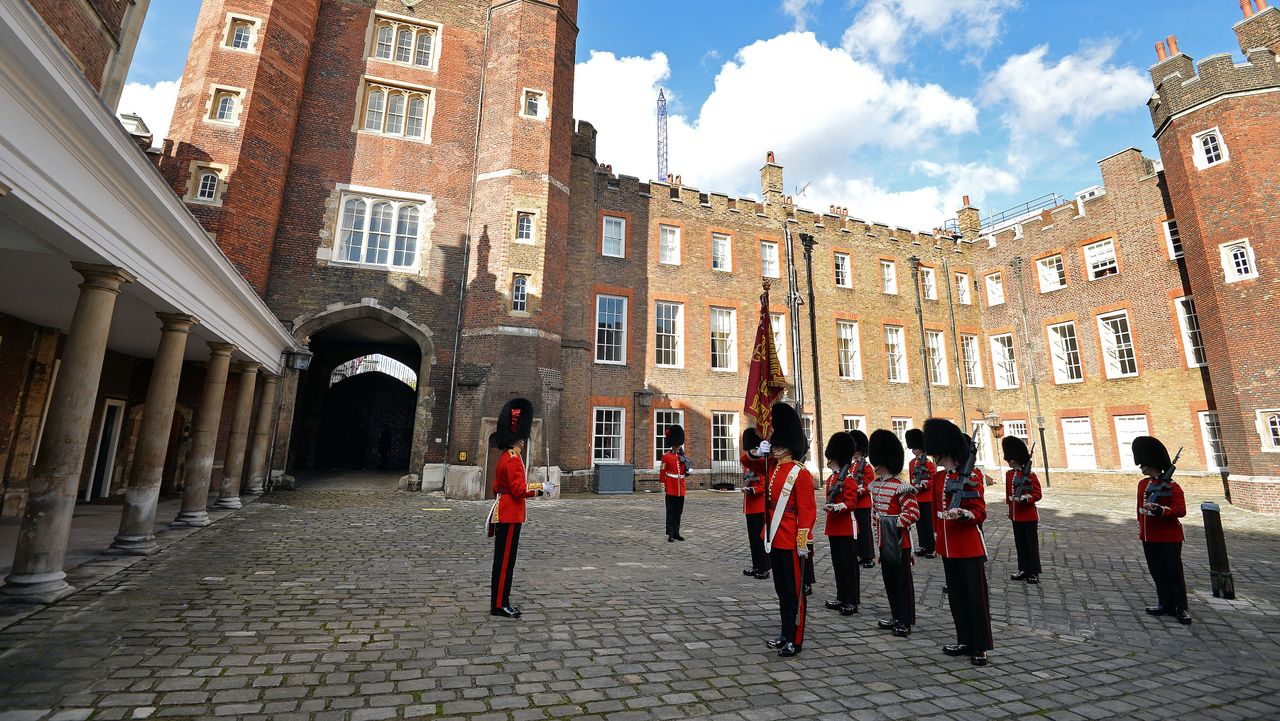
x=1216 y=124
x=233 y=125
x=514 y=315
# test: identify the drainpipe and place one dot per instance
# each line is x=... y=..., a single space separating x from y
x=924 y=353
x=1031 y=363
x=955 y=343
x=466 y=257
x=808 y=242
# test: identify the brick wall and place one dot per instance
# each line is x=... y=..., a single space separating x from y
x=89 y=30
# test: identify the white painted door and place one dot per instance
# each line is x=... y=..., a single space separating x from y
x=1077 y=437
x=1128 y=428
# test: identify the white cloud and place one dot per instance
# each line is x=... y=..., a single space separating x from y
x=1054 y=100
x=887 y=30
x=799 y=10
x=154 y=103
x=921 y=208
x=816 y=106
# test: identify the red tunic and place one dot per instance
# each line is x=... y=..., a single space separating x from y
x=510 y=487
x=840 y=523
x=926 y=483
x=753 y=503
x=1019 y=511
x=893 y=497
x=960 y=538
x=864 y=483
x=801 y=510
x=673 y=475
x=1165 y=528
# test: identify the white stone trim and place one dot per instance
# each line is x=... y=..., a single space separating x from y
x=78 y=167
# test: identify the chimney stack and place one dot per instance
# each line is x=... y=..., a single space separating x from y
x=1247 y=7
x=1173 y=45
x=970 y=220
x=1162 y=53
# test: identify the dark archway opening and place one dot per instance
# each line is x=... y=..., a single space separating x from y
x=358 y=402
x=366 y=424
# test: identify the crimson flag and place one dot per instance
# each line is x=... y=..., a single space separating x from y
x=765 y=381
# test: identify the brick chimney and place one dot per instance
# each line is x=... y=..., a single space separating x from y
x=1260 y=29
x=771 y=181
x=970 y=221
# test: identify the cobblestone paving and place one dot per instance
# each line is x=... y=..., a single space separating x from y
x=351 y=601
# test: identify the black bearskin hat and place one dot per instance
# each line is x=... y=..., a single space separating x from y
x=515 y=423
x=859 y=441
x=886 y=451
x=840 y=448
x=674 y=437
x=751 y=439
x=1016 y=451
x=1148 y=451
x=915 y=439
x=944 y=438
x=788 y=431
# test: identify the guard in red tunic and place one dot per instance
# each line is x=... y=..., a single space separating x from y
x=864 y=475
x=1022 y=492
x=1160 y=504
x=894 y=510
x=960 y=507
x=675 y=471
x=842 y=496
x=755 y=464
x=920 y=474
x=507 y=515
x=790 y=531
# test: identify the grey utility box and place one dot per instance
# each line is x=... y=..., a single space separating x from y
x=615 y=479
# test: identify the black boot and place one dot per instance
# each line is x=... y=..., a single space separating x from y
x=1018 y=576
x=955 y=649
x=1157 y=610
x=887 y=623
x=788 y=650
x=848 y=609
x=776 y=643
x=833 y=605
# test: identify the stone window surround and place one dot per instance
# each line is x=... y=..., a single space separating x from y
x=544 y=104
x=371 y=39
x=1262 y=423
x=1228 y=266
x=331 y=233
x=1198 y=156
x=216 y=93
x=515 y=225
x=530 y=292
x=197 y=170
x=362 y=102
x=228 y=31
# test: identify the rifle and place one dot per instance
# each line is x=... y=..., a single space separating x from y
x=1161 y=487
x=918 y=476
x=1021 y=480
x=837 y=488
x=959 y=487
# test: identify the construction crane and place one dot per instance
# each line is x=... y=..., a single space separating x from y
x=663 y=170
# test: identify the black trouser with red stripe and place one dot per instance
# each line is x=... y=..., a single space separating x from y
x=924 y=527
x=970 y=603
x=788 y=575
x=1027 y=540
x=506 y=542
x=1164 y=560
x=848 y=574
x=866 y=536
x=675 y=508
x=755 y=536
x=900 y=587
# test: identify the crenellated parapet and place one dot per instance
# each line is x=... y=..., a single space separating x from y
x=1182 y=84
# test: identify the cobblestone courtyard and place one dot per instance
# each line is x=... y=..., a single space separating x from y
x=349 y=600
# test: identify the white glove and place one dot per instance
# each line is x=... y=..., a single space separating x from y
x=838 y=507
x=764 y=448
x=804 y=552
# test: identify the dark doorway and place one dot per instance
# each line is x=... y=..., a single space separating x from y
x=366 y=424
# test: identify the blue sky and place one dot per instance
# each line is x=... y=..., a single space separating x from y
x=892 y=108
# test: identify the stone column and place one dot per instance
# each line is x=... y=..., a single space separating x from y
x=233 y=461
x=284 y=428
x=138 y=519
x=262 y=436
x=37 y=575
x=204 y=438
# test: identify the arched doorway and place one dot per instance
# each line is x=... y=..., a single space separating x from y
x=361 y=405
x=366 y=421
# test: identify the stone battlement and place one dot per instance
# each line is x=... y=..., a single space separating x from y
x=1182 y=84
